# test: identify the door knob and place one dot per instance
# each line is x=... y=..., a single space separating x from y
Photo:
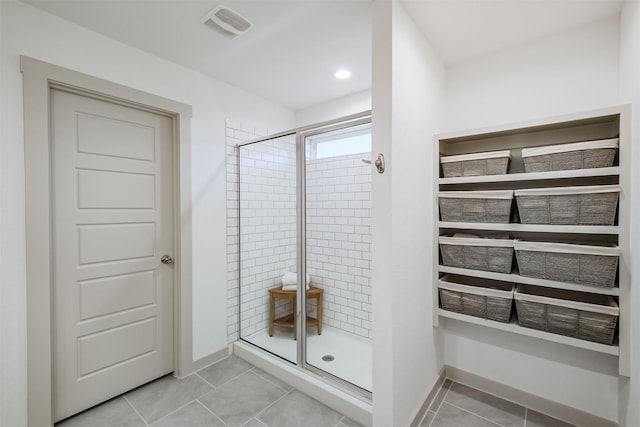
x=166 y=259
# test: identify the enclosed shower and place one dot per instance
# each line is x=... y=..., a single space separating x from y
x=303 y=247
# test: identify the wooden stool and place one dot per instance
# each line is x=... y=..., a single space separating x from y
x=290 y=320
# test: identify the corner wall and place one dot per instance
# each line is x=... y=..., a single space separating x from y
x=573 y=71
x=408 y=99
x=28 y=31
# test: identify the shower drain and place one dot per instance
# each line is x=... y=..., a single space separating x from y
x=328 y=358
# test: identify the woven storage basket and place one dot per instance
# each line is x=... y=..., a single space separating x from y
x=476 y=164
x=562 y=262
x=476 y=206
x=477 y=254
x=477 y=297
x=579 y=155
x=589 y=317
x=588 y=205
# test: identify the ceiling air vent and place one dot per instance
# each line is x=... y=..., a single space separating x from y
x=227 y=21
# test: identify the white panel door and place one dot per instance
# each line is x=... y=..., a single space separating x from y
x=112 y=206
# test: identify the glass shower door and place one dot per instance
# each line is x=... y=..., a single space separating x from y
x=267 y=218
x=337 y=251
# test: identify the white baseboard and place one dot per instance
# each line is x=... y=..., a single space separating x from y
x=537 y=403
x=432 y=395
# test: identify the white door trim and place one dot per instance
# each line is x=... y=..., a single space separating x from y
x=38 y=80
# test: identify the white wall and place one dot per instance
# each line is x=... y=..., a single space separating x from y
x=630 y=93
x=405 y=344
x=28 y=31
x=418 y=97
x=569 y=72
x=382 y=289
x=336 y=108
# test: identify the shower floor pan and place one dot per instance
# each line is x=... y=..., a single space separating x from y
x=352 y=355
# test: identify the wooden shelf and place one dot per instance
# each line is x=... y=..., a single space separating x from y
x=534 y=176
x=287 y=321
x=516 y=278
x=513 y=327
x=536 y=228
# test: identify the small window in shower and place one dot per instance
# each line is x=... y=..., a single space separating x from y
x=341 y=142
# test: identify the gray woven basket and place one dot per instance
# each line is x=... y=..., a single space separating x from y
x=585 y=265
x=476 y=206
x=495 y=166
x=568 y=206
x=562 y=313
x=477 y=297
x=584 y=155
x=476 y=164
x=585 y=159
x=485 y=254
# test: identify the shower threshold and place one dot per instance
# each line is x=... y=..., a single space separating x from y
x=353 y=405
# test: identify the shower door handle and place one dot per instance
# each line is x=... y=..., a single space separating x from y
x=380 y=163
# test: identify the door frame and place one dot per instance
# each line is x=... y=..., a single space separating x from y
x=39 y=79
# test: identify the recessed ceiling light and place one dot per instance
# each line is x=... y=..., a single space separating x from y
x=342 y=74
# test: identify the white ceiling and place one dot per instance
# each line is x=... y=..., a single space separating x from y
x=295 y=46
x=289 y=56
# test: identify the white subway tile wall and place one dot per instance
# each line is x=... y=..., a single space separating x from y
x=338 y=232
x=339 y=239
x=235 y=133
x=267 y=233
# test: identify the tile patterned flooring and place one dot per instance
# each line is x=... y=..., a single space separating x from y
x=457 y=405
x=230 y=393
x=234 y=393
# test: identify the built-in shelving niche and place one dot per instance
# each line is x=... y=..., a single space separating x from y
x=593 y=125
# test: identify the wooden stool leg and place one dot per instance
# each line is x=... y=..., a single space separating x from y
x=319 y=314
x=272 y=313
